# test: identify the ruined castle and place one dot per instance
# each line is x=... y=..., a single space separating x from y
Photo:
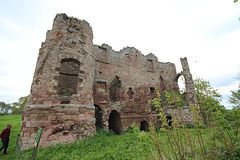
x=78 y=85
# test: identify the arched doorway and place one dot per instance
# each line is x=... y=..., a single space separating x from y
x=169 y=120
x=115 y=122
x=144 y=126
x=98 y=116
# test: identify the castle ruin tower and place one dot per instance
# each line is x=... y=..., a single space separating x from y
x=61 y=101
x=190 y=89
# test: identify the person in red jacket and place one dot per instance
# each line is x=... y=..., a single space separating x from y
x=5 y=138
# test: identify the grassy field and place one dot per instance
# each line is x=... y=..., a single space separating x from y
x=104 y=145
x=15 y=120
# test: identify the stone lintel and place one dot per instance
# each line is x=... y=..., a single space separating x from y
x=45 y=106
x=138 y=116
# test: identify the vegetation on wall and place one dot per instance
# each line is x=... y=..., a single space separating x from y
x=170 y=99
x=218 y=138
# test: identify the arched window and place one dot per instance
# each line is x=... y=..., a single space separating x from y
x=180 y=80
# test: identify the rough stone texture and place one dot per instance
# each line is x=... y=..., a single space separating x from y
x=74 y=78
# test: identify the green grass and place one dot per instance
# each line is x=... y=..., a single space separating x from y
x=104 y=145
x=15 y=120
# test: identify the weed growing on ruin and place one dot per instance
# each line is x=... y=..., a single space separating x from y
x=219 y=140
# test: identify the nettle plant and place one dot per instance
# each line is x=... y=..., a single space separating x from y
x=214 y=137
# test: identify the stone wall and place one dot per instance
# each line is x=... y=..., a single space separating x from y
x=77 y=84
x=60 y=123
x=61 y=99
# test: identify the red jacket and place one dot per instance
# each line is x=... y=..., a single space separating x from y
x=5 y=134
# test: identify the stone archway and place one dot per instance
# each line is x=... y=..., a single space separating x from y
x=115 y=122
x=180 y=81
x=98 y=116
x=144 y=126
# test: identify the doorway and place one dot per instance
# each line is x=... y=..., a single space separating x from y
x=115 y=122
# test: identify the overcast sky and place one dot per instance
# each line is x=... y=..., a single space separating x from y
x=207 y=32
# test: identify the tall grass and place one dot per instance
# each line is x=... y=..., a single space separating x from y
x=219 y=140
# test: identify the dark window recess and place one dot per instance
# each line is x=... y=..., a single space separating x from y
x=65 y=102
x=162 y=84
x=152 y=89
x=101 y=84
x=144 y=126
x=98 y=116
x=102 y=55
x=169 y=120
x=114 y=89
x=130 y=93
x=68 y=76
x=150 y=64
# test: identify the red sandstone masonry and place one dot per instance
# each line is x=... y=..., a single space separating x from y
x=73 y=77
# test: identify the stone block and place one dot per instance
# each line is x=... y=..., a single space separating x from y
x=68 y=117
x=28 y=124
x=89 y=116
x=78 y=122
x=47 y=102
x=31 y=141
x=52 y=118
x=52 y=138
x=82 y=116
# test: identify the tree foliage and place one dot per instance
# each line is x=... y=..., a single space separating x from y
x=234 y=99
x=208 y=98
x=4 y=108
x=17 y=107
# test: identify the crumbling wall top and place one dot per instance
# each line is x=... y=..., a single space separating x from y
x=63 y=20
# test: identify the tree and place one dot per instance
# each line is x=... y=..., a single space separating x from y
x=4 y=108
x=17 y=107
x=235 y=97
x=208 y=98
